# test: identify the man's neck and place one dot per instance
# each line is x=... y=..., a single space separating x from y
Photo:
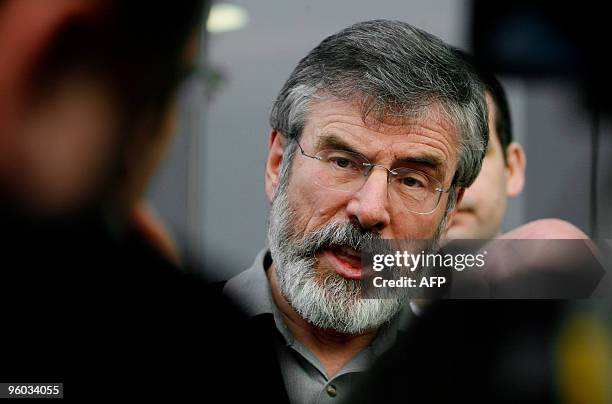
x=333 y=349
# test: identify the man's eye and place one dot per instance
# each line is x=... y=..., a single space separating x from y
x=412 y=182
x=342 y=162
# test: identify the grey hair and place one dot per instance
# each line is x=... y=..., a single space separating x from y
x=394 y=70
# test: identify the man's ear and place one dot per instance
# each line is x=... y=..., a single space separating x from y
x=276 y=147
x=515 y=169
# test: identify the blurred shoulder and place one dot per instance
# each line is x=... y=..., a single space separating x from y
x=543 y=229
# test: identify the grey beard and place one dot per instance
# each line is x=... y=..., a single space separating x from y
x=328 y=300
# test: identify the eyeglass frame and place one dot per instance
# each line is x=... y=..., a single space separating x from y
x=371 y=166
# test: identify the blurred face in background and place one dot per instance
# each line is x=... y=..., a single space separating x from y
x=65 y=138
x=73 y=147
x=68 y=142
x=482 y=210
x=59 y=126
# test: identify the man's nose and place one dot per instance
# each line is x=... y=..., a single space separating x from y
x=369 y=205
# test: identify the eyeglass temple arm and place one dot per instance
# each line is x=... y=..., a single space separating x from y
x=304 y=153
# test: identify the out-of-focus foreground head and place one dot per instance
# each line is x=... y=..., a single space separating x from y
x=482 y=209
x=86 y=98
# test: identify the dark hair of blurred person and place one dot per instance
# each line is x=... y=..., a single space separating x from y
x=87 y=107
x=502 y=176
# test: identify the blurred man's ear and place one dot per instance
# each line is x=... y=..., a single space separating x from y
x=515 y=169
x=276 y=147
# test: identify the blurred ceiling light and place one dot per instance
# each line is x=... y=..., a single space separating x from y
x=226 y=17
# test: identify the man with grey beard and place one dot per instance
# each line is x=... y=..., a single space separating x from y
x=375 y=136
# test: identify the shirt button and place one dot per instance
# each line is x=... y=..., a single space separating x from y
x=331 y=391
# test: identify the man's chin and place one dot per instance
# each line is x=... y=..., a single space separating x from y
x=335 y=302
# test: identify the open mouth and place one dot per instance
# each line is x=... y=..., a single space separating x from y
x=346 y=261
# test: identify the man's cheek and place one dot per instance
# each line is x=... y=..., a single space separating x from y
x=325 y=206
x=415 y=227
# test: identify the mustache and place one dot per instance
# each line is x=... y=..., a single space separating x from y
x=342 y=234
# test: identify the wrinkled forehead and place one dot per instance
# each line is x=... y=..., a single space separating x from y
x=391 y=121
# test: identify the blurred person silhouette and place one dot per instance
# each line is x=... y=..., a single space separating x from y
x=88 y=277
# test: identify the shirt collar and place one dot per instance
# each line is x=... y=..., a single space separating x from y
x=250 y=289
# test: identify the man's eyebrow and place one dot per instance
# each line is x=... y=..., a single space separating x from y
x=432 y=162
x=426 y=160
x=333 y=141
